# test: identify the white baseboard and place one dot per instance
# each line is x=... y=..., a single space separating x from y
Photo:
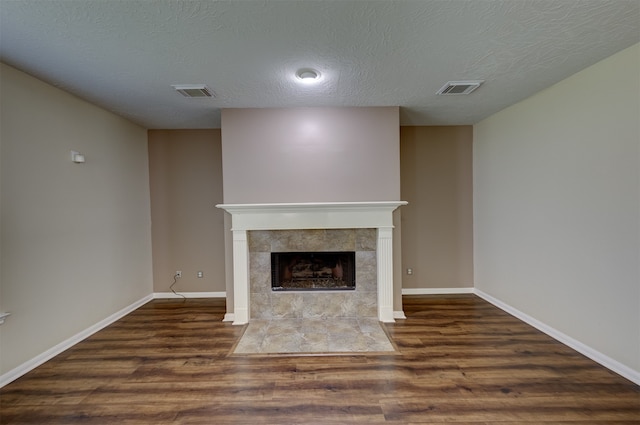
x=157 y=295
x=29 y=365
x=598 y=357
x=436 y=291
x=595 y=355
x=399 y=314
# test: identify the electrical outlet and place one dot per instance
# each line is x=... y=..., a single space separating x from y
x=200 y=274
x=178 y=274
x=409 y=271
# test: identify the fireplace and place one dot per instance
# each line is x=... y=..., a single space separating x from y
x=313 y=271
x=373 y=219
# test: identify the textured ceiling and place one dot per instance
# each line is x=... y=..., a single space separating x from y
x=124 y=55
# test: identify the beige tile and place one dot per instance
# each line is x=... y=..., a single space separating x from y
x=313 y=336
x=297 y=240
x=319 y=305
x=314 y=343
x=285 y=326
x=343 y=326
x=260 y=272
x=377 y=344
x=366 y=271
x=260 y=305
x=282 y=343
x=369 y=325
x=259 y=240
x=349 y=304
x=251 y=341
x=368 y=304
x=249 y=346
x=286 y=305
x=340 y=240
x=258 y=327
x=366 y=239
x=313 y=326
x=344 y=342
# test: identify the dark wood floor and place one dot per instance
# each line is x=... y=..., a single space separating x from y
x=461 y=360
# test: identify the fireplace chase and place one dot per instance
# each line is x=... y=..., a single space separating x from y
x=313 y=271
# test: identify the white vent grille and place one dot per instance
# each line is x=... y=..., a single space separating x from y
x=194 y=90
x=459 y=87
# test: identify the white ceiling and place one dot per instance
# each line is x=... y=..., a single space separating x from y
x=124 y=55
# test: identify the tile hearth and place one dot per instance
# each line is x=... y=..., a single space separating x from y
x=282 y=336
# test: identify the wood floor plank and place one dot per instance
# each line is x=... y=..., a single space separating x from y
x=460 y=360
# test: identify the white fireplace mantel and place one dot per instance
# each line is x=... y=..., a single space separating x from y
x=324 y=215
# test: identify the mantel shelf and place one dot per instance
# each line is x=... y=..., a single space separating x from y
x=312 y=206
x=312 y=215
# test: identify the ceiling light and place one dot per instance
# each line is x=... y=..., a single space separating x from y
x=459 y=87
x=194 y=90
x=307 y=75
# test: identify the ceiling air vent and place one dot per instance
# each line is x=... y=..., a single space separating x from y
x=194 y=90
x=459 y=87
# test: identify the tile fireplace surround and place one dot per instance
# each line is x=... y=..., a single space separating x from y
x=309 y=218
x=267 y=304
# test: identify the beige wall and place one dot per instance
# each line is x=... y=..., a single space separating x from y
x=557 y=207
x=437 y=224
x=185 y=168
x=76 y=238
x=311 y=155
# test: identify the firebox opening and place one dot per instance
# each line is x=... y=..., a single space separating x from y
x=313 y=271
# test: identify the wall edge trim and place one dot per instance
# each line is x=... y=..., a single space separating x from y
x=598 y=357
x=399 y=314
x=436 y=291
x=157 y=295
x=595 y=355
x=36 y=361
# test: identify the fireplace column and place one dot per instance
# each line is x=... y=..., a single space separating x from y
x=240 y=277
x=385 y=274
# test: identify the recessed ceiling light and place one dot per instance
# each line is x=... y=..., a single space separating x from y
x=307 y=75
x=193 y=90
